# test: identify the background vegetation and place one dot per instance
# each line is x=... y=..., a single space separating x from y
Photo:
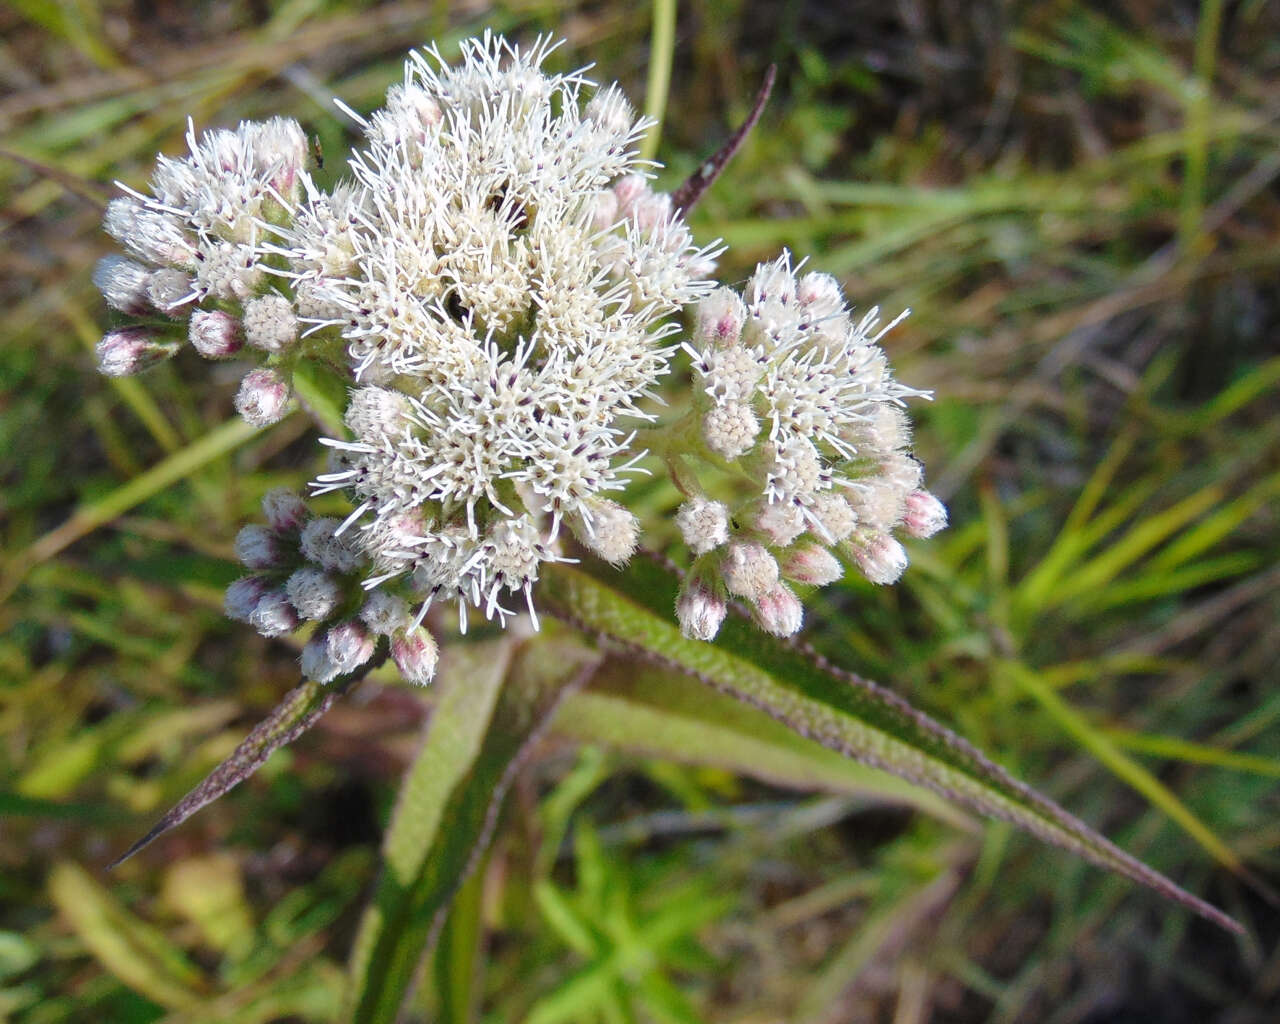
x=1079 y=203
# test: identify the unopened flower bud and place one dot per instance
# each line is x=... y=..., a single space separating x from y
x=704 y=524
x=123 y=284
x=321 y=544
x=242 y=597
x=285 y=510
x=730 y=430
x=835 y=515
x=168 y=289
x=772 y=282
x=336 y=651
x=215 y=334
x=719 y=319
x=274 y=615
x=925 y=515
x=612 y=532
x=879 y=556
x=700 y=610
x=131 y=350
x=811 y=564
x=385 y=613
x=628 y=189
x=820 y=295
x=778 y=611
x=604 y=211
x=263 y=397
x=257 y=548
x=748 y=569
x=374 y=412
x=313 y=593
x=415 y=654
x=270 y=323
x=610 y=110
x=781 y=523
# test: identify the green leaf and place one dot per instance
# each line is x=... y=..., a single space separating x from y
x=137 y=954
x=651 y=710
x=496 y=701
x=836 y=708
x=323 y=391
x=300 y=709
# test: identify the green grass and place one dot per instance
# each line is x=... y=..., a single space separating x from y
x=1081 y=211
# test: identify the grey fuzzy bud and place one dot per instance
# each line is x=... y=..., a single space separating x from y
x=313 y=593
x=879 y=557
x=385 y=613
x=169 y=288
x=704 y=524
x=720 y=318
x=612 y=532
x=263 y=397
x=131 y=350
x=322 y=545
x=748 y=569
x=274 y=615
x=257 y=548
x=242 y=597
x=925 y=515
x=123 y=284
x=285 y=510
x=812 y=565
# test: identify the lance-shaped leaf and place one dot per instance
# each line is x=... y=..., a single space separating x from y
x=293 y=716
x=837 y=708
x=496 y=700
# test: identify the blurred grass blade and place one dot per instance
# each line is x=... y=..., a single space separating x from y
x=1120 y=764
x=662 y=45
x=91 y=515
x=495 y=702
x=838 y=709
x=293 y=716
x=139 y=955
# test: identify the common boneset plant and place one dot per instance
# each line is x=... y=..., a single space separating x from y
x=501 y=292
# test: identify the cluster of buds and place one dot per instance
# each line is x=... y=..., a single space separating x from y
x=197 y=267
x=306 y=568
x=797 y=399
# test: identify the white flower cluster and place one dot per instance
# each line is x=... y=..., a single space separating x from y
x=304 y=569
x=799 y=398
x=199 y=237
x=505 y=281
x=504 y=285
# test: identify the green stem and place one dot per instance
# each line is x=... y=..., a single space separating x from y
x=661 y=51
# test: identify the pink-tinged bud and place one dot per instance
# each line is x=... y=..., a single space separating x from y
x=336 y=651
x=284 y=509
x=879 y=556
x=123 y=284
x=700 y=610
x=385 y=613
x=835 y=515
x=820 y=295
x=215 y=334
x=415 y=654
x=274 y=616
x=779 y=611
x=350 y=645
x=812 y=565
x=131 y=350
x=242 y=597
x=748 y=570
x=604 y=211
x=704 y=524
x=257 y=548
x=720 y=318
x=263 y=397
x=313 y=593
x=925 y=514
x=628 y=190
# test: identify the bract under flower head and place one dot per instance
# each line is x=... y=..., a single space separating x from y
x=469 y=274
